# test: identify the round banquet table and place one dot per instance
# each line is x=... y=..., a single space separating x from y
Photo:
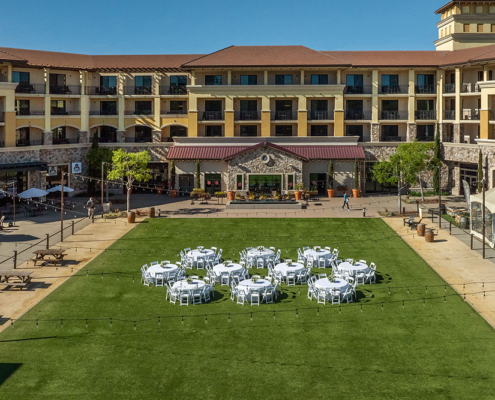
x=354 y=269
x=166 y=269
x=284 y=268
x=337 y=284
x=194 y=285
x=231 y=268
x=194 y=254
x=248 y=286
x=316 y=254
x=255 y=254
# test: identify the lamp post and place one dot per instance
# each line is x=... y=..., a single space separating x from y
x=62 y=206
x=440 y=195
x=102 y=177
x=483 y=182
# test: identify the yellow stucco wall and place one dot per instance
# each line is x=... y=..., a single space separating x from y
x=10 y=127
x=104 y=121
x=55 y=122
x=302 y=121
x=339 y=123
x=229 y=124
x=265 y=124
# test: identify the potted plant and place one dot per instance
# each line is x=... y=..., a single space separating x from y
x=198 y=193
x=277 y=196
x=298 y=190
x=238 y=196
x=252 y=197
x=356 y=192
x=330 y=190
x=231 y=194
x=173 y=190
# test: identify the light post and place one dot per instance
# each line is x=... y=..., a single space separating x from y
x=102 y=177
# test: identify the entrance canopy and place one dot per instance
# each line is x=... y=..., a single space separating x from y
x=27 y=166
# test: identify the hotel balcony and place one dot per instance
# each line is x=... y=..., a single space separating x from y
x=401 y=89
x=426 y=89
x=284 y=116
x=365 y=89
x=138 y=90
x=65 y=141
x=141 y=139
x=138 y=112
x=470 y=114
x=425 y=138
x=394 y=115
x=210 y=116
x=173 y=90
x=471 y=88
x=391 y=138
x=29 y=112
x=449 y=115
x=101 y=90
x=25 y=143
x=35 y=88
x=358 y=115
x=426 y=114
x=173 y=112
x=449 y=88
x=65 y=112
x=247 y=116
x=320 y=115
x=65 y=89
x=113 y=112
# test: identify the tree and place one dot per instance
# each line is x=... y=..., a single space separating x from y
x=436 y=162
x=172 y=175
x=330 y=174
x=480 y=172
x=130 y=166
x=198 y=175
x=96 y=155
x=403 y=167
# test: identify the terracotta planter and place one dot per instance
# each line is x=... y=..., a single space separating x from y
x=131 y=217
x=231 y=195
x=159 y=190
x=356 y=193
x=298 y=195
x=173 y=193
x=331 y=192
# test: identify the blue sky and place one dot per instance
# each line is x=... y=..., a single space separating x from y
x=204 y=26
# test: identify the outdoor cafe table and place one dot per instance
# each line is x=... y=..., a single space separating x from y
x=352 y=270
x=58 y=255
x=248 y=286
x=264 y=254
x=316 y=254
x=284 y=268
x=165 y=269
x=183 y=286
x=231 y=268
x=194 y=254
x=336 y=284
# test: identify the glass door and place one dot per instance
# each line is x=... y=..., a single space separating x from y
x=213 y=183
x=318 y=183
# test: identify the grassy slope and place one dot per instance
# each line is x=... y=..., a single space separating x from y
x=430 y=352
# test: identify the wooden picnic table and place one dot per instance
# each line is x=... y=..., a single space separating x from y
x=24 y=277
x=58 y=255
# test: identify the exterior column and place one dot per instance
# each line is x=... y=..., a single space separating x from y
x=266 y=127
x=120 y=136
x=338 y=116
x=229 y=116
x=265 y=77
x=121 y=106
x=10 y=118
x=84 y=113
x=156 y=113
x=440 y=100
x=83 y=136
x=192 y=115
x=458 y=132
x=193 y=78
x=48 y=103
x=411 y=104
x=412 y=130
x=456 y=190
x=486 y=130
x=375 y=111
x=375 y=132
x=302 y=116
x=229 y=77
x=302 y=77
x=9 y=72
x=47 y=138
x=156 y=136
x=458 y=88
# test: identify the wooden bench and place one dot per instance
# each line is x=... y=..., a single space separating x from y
x=20 y=285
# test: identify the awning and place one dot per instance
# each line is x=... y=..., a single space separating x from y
x=21 y=167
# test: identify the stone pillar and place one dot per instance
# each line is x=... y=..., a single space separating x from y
x=458 y=133
x=456 y=189
x=444 y=132
x=120 y=136
x=47 y=138
x=375 y=132
x=157 y=136
x=412 y=131
x=83 y=136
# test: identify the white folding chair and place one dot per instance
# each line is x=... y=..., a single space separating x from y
x=255 y=298
x=322 y=262
x=184 y=299
x=225 y=279
x=291 y=279
x=335 y=296
x=200 y=263
x=159 y=279
x=241 y=297
x=260 y=263
x=321 y=296
x=196 y=297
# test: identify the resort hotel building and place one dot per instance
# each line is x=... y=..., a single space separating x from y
x=256 y=117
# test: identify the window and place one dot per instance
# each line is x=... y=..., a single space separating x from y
x=491 y=9
x=319 y=130
x=283 y=130
x=20 y=77
x=142 y=134
x=479 y=9
x=354 y=84
x=59 y=135
x=283 y=109
x=239 y=182
x=22 y=137
x=249 y=105
x=425 y=105
x=490 y=75
x=390 y=133
x=178 y=80
x=265 y=183
x=481 y=76
x=390 y=109
x=57 y=79
x=178 y=131
x=213 y=105
x=249 y=79
x=426 y=132
x=142 y=108
x=108 y=108
x=354 y=109
x=108 y=134
x=249 y=130
x=213 y=183
x=178 y=107
x=283 y=79
x=108 y=81
x=22 y=107
x=58 y=107
x=425 y=83
x=425 y=109
x=319 y=109
x=390 y=84
x=290 y=181
x=319 y=79
x=480 y=28
x=213 y=130
x=142 y=81
x=213 y=79
x=465 y=10
x=354 y=130
x=467 y=28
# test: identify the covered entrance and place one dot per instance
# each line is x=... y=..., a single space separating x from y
x=186 y=183
x=318 y=183
x=265 y=183
x=469 y=173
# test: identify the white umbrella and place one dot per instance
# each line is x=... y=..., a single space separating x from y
x=58 y=188
x=33 y=192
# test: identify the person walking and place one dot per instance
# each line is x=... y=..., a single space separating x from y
x=346 y=202
x=90 y=205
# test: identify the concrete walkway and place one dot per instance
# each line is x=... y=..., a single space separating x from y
x=457 y=264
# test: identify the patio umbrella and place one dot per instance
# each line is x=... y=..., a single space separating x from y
x=33 y=192
x=58 y=188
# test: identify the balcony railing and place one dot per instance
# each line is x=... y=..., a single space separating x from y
x=284 y=116
x=449 y=88
x=358 y=115
x=365 y=89
x=470 y=88
x=426 y=138
x=391 y=139
x=103 y=112
x=247 y=116
x=65 y=89
x=65 y=112
x=394 y=114
x=173 y=90
x=394 y=89
x=29 y=112
x=107 y=139
x=138 y=112
x=426 y=114
x=34 y=88
x=2 y=116
x=65 y=141
x=210 y=116
x=173 y=112
x=2 y=144
x=471 y=114
x=23 y=143
x=101 y=90
x=146 y=139
x=426 y=89
x=449 y=114
x=138 y=90
x=320 y=115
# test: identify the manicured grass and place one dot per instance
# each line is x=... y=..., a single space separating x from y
x=428 y=349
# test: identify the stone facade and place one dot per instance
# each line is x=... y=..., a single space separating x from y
x=375 y=132
x=48 y=138
x=444 y=132
x=83 y=136
x=458 y=133
x=120 y=136
x=412 y=130
x=157 y=136
x=250 y=163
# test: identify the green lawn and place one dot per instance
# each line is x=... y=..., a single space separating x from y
x=428 y=349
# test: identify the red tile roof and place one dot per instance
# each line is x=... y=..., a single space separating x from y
x=390 y=58
x=227 y=152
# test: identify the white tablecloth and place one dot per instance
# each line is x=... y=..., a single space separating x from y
x=196 y=284
x=260 y=253
x=165 y=269
x=354 y=269
x=194 y=254
x=219 y=269
x=328 y=286
x=248 y=285
x=294 y=267
x=317 y=254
